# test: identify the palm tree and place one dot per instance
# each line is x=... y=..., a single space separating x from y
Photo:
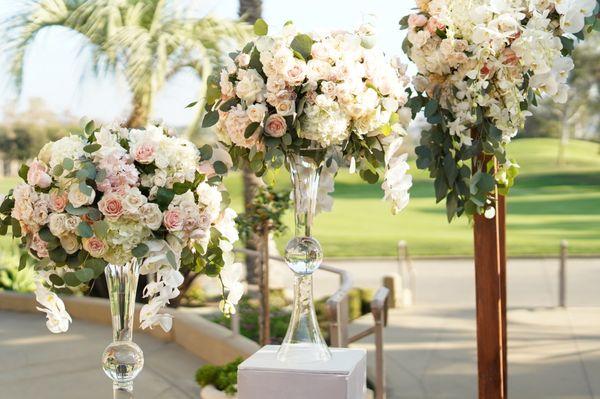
x=148 y=41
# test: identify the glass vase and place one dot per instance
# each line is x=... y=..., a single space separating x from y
x=122 y=359
x=303 y=342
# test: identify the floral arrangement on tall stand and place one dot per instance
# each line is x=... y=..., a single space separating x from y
x=481 y=65
x=124 y=202
x=310 y=102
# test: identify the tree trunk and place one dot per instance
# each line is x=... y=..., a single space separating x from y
x=251 y=10
x=139 y=115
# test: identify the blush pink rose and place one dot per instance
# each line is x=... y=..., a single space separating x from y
x=172 y=220
x=417 y=20
x=37 y=176
x=275 y=126
x=111 y=206
x=433 y=25
x=39 y=246
x=94 y=246
x=145 y=153
x=58 y=201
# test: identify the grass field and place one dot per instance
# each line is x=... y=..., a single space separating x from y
x=550 y=203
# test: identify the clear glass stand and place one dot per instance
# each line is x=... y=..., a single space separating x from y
x=122 y=359
x=303 y=342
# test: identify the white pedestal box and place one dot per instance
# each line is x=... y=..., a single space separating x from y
x=262 y=376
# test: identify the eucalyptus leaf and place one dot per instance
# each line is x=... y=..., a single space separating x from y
x=210 y=119
x=140 y=251
x=84 y=275
x=260 y=27
x=84 y=230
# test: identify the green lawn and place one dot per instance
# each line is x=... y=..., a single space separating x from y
x=550 y=203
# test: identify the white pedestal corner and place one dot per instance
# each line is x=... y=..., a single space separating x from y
x=262 y=376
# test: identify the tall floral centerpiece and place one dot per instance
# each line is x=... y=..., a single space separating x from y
x=124 y=202
x=481 y=65
x=310 y=102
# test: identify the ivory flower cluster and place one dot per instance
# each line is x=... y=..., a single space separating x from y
x=113 y=195
x=288 y=93
x=481 y=63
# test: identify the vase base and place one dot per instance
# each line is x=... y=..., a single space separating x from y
x=303 y=353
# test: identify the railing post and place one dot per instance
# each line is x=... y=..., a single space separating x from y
x=235 y=324
x=407 y=275
x=562 y=274
x=379 y=311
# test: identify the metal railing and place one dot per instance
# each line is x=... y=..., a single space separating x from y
x=407 y=274
x=562 y=274
x=339 y=318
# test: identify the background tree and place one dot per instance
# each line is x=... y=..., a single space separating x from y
x=148 y=41
x=251 y=11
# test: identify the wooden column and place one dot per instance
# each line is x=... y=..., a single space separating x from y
x=489 y=237
x=501 y=211
x=265 y=308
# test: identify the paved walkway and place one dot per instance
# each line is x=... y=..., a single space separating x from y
x=430 y=353
x=35 y=364
x=431 y=347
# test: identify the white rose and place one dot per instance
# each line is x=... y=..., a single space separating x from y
x=40 y=215
x=151 y=216
x=78 y=199
x=295 y=72
x=286 y=107
x=318 y=70
x=71 y=223
x=243 y=59
x=275 y=84
x=57 y=224
x=160 y=178
x=134 y=200
x=251 y=86
x=69 y=243
x=256 y=112
x=226 y=85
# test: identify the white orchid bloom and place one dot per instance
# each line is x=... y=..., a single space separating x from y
x=57 y=317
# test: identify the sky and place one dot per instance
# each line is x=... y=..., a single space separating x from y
x=56 y=68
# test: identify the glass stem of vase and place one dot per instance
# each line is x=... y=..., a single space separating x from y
x=122 y=283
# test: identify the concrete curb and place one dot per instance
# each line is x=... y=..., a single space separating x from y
x=208 y=341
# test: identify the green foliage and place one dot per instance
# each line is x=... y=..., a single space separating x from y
x=224 y=378
x=14 y=275
x=265 y=213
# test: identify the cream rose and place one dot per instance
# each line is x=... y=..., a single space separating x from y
x=173 y=220
x=111 y=206
x=57 y=223
x=275 y=126
x=151 y=216
x=95 y=246
x=69 y=243
x=71 y=223
x=78 y=198
x=295 y=72
x=134 y=200
x=256 y=112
